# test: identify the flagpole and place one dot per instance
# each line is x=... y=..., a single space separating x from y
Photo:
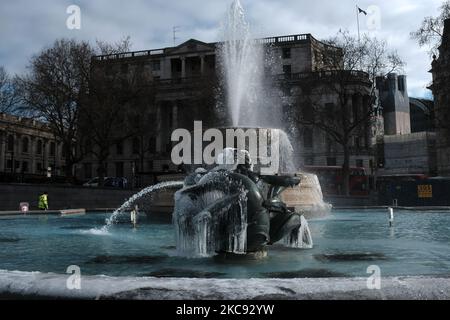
x=357 y=20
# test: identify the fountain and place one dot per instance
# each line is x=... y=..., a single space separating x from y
x=234 y=211
x=241 y=65
x=252 y=196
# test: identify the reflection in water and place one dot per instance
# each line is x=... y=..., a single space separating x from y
x=184 y=273
x=305 y=273
x=365 y=256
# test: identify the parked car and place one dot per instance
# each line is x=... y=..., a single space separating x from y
x=114 y=182
x=93 y=182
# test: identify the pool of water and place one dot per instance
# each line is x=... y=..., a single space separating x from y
x=346 y=243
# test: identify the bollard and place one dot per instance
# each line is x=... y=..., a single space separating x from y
x=134 y=215
x=391 y=217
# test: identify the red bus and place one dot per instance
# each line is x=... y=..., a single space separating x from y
x=331 y=180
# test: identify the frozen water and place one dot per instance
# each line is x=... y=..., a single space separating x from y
x=301 y=237
x=210 y=216
x=129 y=203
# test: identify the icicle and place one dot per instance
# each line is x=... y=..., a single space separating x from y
x=300 y=237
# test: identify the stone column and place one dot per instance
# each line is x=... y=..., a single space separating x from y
x=45 y=153
x=202 y=64
x=32 y=150
x=16 y=152
x=174 y=115
x=183 y=67
x=3 y=137
x=158 y=128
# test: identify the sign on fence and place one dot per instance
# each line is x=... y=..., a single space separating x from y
x=24 y=207
x=425 y=191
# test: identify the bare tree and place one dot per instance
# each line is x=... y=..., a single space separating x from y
x=114 y=108
x=432 y=28
x=350 y=68
x=8 y=94
x=53 y=90
x=106 y=48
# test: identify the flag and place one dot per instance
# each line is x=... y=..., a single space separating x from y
x=361 y=11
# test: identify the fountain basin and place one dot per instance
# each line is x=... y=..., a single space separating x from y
x=417 y=245
x=41 y=285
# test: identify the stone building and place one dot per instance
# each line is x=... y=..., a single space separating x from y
x=28 y=148
x=181 y=75
x=441 y=92
x=394 y=99
x=408 y=143
x=413 y=153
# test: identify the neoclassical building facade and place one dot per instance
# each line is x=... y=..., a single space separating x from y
x=181 y=75
x=27 y=147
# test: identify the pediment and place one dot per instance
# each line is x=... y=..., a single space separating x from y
x=191 y=45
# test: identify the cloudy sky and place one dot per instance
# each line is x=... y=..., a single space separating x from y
x=26 y=26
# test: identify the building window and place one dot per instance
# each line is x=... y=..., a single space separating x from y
x=136 y=167
x=24 y=166
x=25 y=145
x=309 y=161
x=286 y=53
x=124 y=68
x=87 y=170
x=287 y=69
x=64 y=150
x=329 y=110
x=152 y=145
x=52 y=149
x=331 y=162
x=150 y=165
x=39 y=147
x=156 y=65
x=308 y=138
x=9 y=164
x=119 y=148
x=39 y=168
x=88 y=146
x=11 y=143
x=119 y=169
x=176 y=65
x=307 y=114
x=360 y=163
x=136 y=146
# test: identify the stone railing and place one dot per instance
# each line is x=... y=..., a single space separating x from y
x=127 y=55
x=285 y=39
x=346 y=75
x=271 y=40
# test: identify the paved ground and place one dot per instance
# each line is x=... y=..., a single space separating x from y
x=39 y=285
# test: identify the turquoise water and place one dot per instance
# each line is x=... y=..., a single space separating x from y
x=345 y=244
